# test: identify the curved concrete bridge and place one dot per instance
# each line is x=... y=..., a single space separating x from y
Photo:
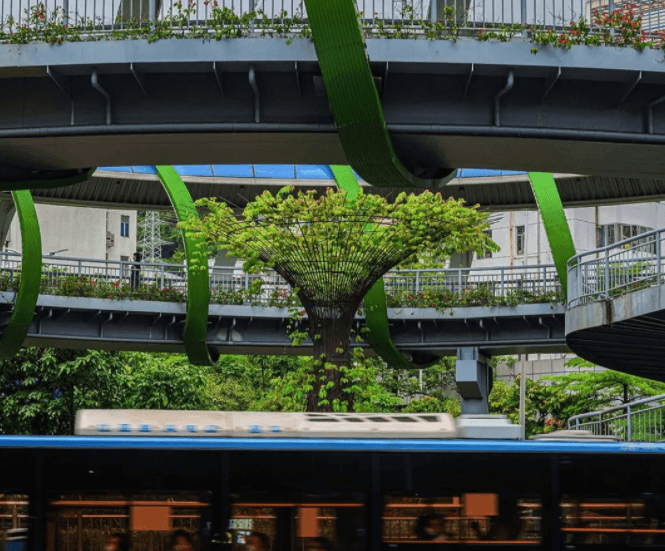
x=452 y=104
x=616 y=306
x=240 y=322
x=138 y=187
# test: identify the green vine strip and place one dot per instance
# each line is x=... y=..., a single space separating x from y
x=554 y=220
x=31 y=272
x=375 y=301
x=621 y=27
x=198 y=279
x=340 y=48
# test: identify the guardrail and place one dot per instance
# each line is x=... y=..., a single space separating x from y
x=639 y=421
x=230 y=285
x=279 y=17
x=625 y=266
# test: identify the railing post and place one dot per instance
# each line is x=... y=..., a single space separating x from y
x=630 y=424
x=252 y=7
x=163 y=285
x=658 y=258
x=80 y=268
x=503 y=281
x=417 y=282
x=607 y=273
x=459 y=279
x=544 y=280
x=65 y=12
x=432 y=10
x=152 y=11
x=246 y=281
x=600 y=423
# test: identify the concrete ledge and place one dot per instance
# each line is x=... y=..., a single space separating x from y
x=412 y=55
x=618 y=309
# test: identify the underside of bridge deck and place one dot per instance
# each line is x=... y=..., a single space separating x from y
x=626 y=333
x=583 y=111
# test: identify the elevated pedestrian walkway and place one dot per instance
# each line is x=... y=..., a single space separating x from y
x=87 y=303
x=616 y=306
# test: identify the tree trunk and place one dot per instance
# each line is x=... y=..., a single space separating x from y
x=331 y=346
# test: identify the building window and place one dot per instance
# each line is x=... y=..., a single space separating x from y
x=609 y=234
x=485 y=254
x=124 y=258
x=124 y=226
x=519 y=240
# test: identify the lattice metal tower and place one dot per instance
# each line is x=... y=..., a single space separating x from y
x=151 y=243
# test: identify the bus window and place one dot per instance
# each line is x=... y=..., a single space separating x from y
x=464 y=518
x=13 y=522
x=145 y=522
x=590 y=521
x=306 y=526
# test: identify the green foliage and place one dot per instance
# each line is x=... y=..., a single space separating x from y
x=592 y=391
x=622 y=27
x=162 y=381
x=62 y=284
x=430 y=404
x=551 y=401
x=480 y=295
x=41 y=389
x=282 y=229
x=179 y=22
x=544 y=405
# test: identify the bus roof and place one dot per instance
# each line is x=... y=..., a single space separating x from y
x=323 y=444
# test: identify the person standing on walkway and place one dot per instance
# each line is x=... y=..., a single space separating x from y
x=135 y=273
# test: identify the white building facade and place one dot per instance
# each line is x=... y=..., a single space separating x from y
x=81 y=232
x=523 y=241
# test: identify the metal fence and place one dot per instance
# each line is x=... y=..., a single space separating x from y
x=262 y=17
x=639 y=421
x=70 y=276
x=628 y=265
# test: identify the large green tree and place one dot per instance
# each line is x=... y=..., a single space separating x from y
x=332 y=250
x=552 y=400
x=588 y=391
x=42 y=389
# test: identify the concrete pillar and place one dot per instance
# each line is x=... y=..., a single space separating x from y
x=474 y=380
x=7 y=210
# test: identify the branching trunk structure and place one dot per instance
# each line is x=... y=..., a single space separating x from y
x=331 y=251
x=331 y=298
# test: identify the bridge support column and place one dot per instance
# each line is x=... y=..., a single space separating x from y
x=474 y=380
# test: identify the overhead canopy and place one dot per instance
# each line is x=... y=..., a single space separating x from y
x=138 y=187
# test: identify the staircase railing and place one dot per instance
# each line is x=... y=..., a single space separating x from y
x=639 y=421
x=610 y=271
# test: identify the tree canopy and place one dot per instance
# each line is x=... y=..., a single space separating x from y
x=42 y=389
x=332 y=250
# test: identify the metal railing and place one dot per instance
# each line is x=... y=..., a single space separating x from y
x=625 y=266
x=270 y=17
x=230 y=285
x=639 y=421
